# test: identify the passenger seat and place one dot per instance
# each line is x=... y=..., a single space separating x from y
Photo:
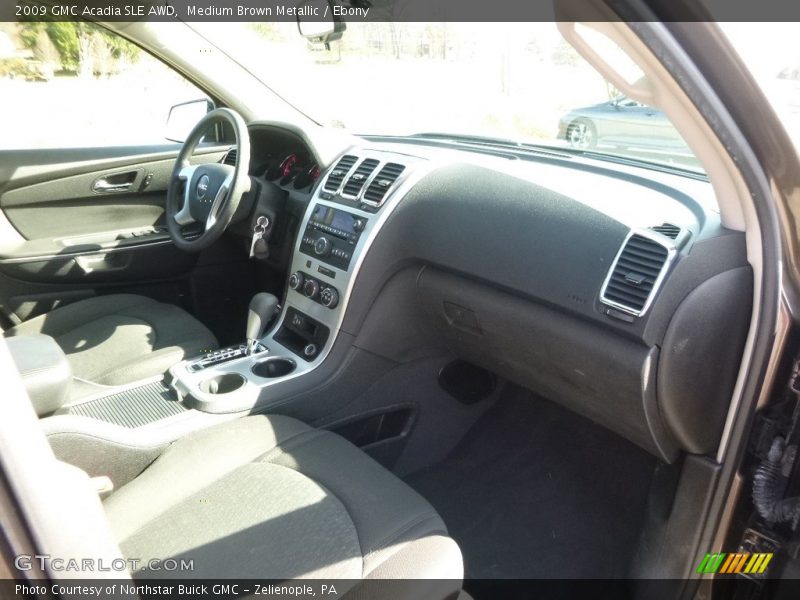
x=269 y=497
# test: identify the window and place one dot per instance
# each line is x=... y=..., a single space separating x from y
x=770 y=52
x=518 y=81
x=78 y=85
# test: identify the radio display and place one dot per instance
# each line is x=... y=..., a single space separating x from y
x=338 y=219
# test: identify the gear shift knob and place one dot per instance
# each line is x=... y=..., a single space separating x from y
x=262 y=308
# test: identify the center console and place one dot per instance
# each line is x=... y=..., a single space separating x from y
x=345 y=213
x=118 y=431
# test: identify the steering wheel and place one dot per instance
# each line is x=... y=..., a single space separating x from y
x=211 y=192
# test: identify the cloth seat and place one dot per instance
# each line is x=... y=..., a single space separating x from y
x=119 y=338
x=269 y=497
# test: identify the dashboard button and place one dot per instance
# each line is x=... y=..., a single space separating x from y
x=310 y=288
x=322 y=246
x=329 y=297
x=296 y=280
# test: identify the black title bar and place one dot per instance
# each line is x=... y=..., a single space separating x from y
x=401 y=10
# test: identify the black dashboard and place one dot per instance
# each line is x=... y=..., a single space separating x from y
x=611 y=289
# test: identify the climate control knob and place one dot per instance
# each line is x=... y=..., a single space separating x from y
x=310 y=288
x=296 y=280
x=329 y=297
x=322 y=246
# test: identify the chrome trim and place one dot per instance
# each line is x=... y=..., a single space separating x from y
x=183 y=216
x=346 y=175
x=256 y=389
x=672 y=252
x=388 y=189
x=219 y=200
x=359 y=198
x=416 y=168
x=367 y=179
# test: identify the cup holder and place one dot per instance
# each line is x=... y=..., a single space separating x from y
x=222 y=384
x=274 y=367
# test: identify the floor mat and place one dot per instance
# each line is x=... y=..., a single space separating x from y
x=535 y=491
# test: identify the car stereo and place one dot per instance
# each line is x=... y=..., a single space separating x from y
x=331 y=235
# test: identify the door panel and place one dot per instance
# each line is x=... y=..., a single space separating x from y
x=62 y=200
x=83 y=186
x=63 y=237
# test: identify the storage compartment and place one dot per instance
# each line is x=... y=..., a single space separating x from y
x=132 y=407
x=302 y=335
x=274 y=367
x=222 y=384
x=381 y=435
x=593 y=371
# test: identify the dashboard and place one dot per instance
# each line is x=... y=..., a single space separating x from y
x=613 y=290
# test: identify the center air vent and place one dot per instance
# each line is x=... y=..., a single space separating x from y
x=230 y=157
x=667 y=229
x=379 y=186
x=353 y=186
x=635 y=274
x=338 y=173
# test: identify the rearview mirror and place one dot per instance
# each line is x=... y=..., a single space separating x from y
x=183 y=117
x=317 y=23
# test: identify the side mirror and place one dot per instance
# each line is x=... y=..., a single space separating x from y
x=317 y=23
x=183 y=117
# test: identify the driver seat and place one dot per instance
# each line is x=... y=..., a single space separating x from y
x=118 y=339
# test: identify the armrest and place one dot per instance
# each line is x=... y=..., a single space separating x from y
x=45 y=370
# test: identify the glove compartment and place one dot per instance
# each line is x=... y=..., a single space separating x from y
x=593 y=371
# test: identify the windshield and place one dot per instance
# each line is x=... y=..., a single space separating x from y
x=517 y=81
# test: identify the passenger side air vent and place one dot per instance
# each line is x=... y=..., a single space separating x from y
x=359 y=177
x=383 y=181
x=667 y=229
x=230 y=157
x=633 y=278
x=339 y=171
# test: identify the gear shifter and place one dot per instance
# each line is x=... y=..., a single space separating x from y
x=262 y=308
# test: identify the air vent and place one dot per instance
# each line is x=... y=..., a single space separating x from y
x=634 y=275
x=230 y=157
x=339 y=171
x=359 y=177
x=667 y=229
x=383 y=181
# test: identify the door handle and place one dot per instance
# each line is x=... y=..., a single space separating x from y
x=105 y=186
x=102 y=263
